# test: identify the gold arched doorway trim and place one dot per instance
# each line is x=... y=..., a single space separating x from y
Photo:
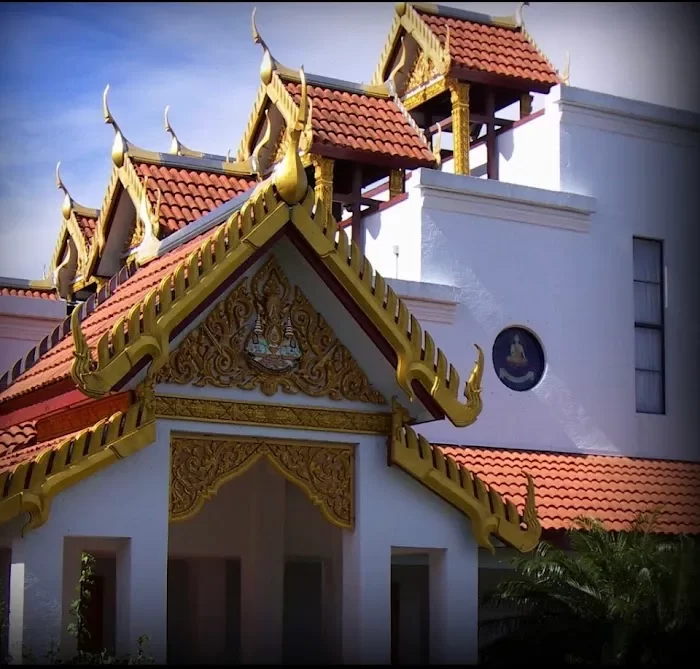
x=201 y=464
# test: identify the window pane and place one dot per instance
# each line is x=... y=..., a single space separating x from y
x=647 y=303
x=648 y=349
x=647 y=260
x=649 y=392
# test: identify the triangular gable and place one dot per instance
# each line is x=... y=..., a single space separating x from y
x=428 y=41
x=283 y=203
x=265 y=335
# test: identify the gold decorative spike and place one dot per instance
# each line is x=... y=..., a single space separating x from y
x=325 y=473
x=264 y=140
x=459 y=93
x=119 y=146
x=235 y=346
x=83 y=362
x=64 y=273
x=176 y=147
x=290 y=177
x=525 y=105
x=67 y=205
x=400 y=62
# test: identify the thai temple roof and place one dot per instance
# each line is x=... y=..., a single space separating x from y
x=113 y=259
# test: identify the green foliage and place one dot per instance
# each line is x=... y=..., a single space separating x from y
x=628 y=597
x=78 y=629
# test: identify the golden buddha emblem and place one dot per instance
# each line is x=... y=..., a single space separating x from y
x=272 y=343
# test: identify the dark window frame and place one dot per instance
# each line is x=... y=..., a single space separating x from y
x=658 y=327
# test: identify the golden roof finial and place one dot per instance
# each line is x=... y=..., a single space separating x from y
x=67 y=205
x=119 y=146
x=290 y=176
x=519 y=20
x=175 y=144
x=400 y=62
x=257 y=37
x=255 y=156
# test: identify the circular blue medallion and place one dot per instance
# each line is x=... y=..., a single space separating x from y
x=518 y=359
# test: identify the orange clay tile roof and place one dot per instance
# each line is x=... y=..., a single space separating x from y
x=87 y=226
x=364 y=123
x=612 y=488
x=17 y=437
x=11 y=458
x=492 y=49
x=55 y=364
x=42 y=293
x=187 y=194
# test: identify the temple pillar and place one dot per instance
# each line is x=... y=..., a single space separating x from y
x=454 y=605
x=142 y=593
x=366 y=614
x=459 y=95
x=37 y=613
x=207 y=582
x=262 y=568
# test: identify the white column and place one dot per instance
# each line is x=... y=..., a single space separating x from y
x=454 y=604
x=142 y=591
x=36 y=596
x=262 y=568
x=207 y=582
x=72 y=564
x=366 y=595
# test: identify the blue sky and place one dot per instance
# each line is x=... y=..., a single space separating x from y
x=56 y=58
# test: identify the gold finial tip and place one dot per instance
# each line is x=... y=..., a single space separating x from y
x=256 y=33
x=401 y=8
x=105 y=106
x=266 y=68
x=59 y=181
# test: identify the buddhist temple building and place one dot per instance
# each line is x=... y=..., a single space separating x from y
x=302 y=404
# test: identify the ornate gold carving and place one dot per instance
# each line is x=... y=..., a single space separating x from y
x=422 y=72
x=323 y=175
x=201 y=465
x=525 y=105
x=459 y=93
x=272 y=415
x=136 y=236
x=397 y=182
x=417 y=98
x=266 y=335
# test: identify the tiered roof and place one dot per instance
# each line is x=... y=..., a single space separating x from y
x=97 y=351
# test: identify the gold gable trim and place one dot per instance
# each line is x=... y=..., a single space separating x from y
x=31 y=486
x=201 y=465
x=271 y=415
x=489 y=513
x=259 y=310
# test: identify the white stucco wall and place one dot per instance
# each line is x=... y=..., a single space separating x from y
x=549 y=247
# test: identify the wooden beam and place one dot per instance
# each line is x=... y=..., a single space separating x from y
x=446 y=124
x=349 y=200
x=491 y=140
x=357 y=228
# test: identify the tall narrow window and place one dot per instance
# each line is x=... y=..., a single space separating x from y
x=649 y=325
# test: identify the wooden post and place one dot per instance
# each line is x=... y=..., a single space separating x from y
x=459 y=94
x=357 y=228
x=491 y=139
x=397 y=183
